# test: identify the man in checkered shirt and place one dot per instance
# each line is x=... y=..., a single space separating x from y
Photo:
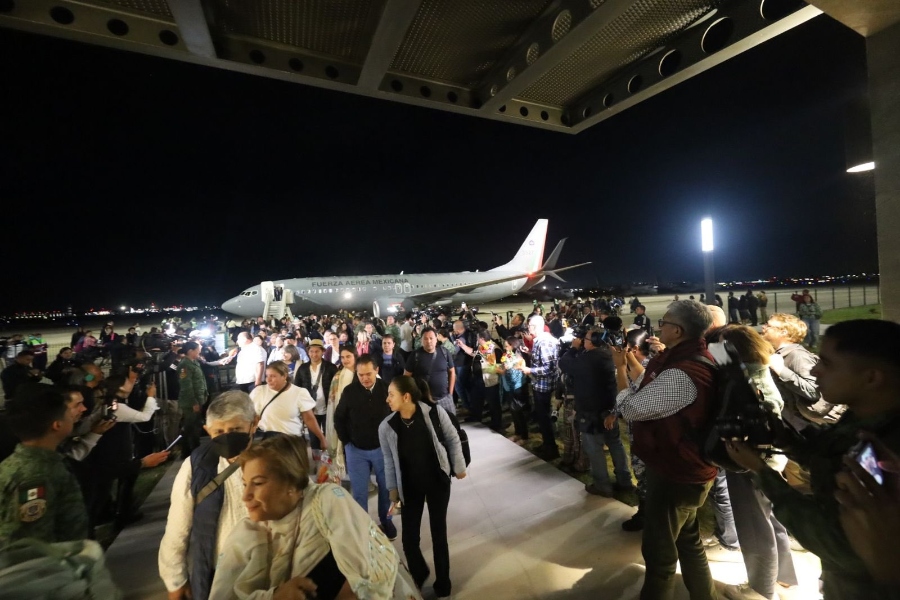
x=543 y=374
x=671 y=403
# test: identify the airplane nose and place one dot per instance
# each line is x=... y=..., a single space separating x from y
x=232 y=305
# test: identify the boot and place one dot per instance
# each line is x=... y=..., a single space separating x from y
x=636 y=522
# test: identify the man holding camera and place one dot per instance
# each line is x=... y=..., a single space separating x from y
x=673 y=398
x=589 y=362
x=859 y=367
x=462 y=363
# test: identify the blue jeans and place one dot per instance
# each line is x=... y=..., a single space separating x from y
x=725 y=529
x=463 y=383
x=360 y=464
x=593 y=446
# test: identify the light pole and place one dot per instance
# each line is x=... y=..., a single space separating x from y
x=706 y=244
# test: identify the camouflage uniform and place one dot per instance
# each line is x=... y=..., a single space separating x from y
x=191 y=393
x=40 y=498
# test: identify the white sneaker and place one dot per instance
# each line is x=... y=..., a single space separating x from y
x=744 y=592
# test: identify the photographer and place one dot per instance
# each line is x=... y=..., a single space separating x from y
x=673 y=397
x=113 y=457
x=859 y=367
x=462 y=362
x=589 y=362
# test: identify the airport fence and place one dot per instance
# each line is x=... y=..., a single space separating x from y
x=827 y=298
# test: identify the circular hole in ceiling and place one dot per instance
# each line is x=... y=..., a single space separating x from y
x=296 y=64
x=586 y=112
x=511 y=74
x=669 y=63
x=62 y=15
x=635 y=84
x=544 y=115
x=331 y=72
x=425 y=91
x=531 y=55
x=608 y=100
x=167 y=37
x=452 y=96
x=257 y=56
x=717 y=35
x=774 y=10
x=397 y=85
x=117 y=27
x=523 y=110
x=561 y=25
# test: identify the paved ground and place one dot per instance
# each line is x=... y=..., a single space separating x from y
x=519 y=529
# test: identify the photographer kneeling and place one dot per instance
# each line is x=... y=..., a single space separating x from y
x=859 y=367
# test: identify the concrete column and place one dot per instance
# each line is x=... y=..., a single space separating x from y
x=883 y=53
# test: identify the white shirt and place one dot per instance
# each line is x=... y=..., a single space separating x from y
x=283 y=415
x=320 y=393
x=248 y=360
x=406 y=338
x=173 y=560
x=275 y=354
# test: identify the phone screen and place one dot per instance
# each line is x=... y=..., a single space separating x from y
x=868 y=461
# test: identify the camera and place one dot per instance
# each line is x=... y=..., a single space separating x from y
x=742 y=414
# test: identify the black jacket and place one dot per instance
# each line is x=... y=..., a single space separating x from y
x=359 y=414
x=398 y=365
x=594 y=377
x=303 y=377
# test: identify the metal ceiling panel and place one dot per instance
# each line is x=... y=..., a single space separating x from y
x=644 y=27
x=158 y=8
x=460 y=40
x=338 y=28
x=560 y=65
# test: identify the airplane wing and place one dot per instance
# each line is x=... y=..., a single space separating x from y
x=458 y=289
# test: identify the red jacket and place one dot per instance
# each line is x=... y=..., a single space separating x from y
x=668 y=445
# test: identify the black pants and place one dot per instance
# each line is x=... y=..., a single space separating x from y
x=416 y=492
x=542 y=408
x=492 y=399
x=191 y=427
x=314 y=442
x=519 y=406
x=672 y=535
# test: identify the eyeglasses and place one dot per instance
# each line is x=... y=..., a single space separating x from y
x=662 y=323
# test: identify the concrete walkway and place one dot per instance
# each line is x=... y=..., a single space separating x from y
x=519 y=529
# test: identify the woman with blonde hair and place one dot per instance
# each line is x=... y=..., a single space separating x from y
x=303 y=540
x=363 y=340
x=765 y=546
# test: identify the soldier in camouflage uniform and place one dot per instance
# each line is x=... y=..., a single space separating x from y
x=40 y=498
x=192 y=395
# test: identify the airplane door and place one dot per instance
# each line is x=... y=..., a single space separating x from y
x=407 y=288
x=398 y=289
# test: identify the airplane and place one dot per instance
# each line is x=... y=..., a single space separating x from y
x=387 y=295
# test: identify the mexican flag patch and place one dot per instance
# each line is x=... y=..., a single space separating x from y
x=33 y=493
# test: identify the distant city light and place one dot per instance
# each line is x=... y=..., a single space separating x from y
x=869 y=166
x=706 y=235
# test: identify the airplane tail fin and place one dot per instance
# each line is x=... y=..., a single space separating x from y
x=551 y=261
x=531 y=253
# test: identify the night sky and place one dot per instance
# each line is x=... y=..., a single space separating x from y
x=130 y=179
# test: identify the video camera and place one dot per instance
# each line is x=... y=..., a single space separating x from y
x=741 y=413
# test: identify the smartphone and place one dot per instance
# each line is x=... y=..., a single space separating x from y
x=175 y=441
x=865 y=456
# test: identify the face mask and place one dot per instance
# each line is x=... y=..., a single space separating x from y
x=229 y=445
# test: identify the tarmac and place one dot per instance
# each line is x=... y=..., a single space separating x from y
x=519 y=528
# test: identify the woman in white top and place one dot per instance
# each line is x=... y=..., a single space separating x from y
x=304 y=540
x=283 y=407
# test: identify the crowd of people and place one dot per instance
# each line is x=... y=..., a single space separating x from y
x=276 y=501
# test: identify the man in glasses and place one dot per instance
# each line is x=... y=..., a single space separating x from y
x=673 y=399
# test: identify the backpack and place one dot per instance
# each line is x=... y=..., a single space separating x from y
x=463 y=436
x=737 y=412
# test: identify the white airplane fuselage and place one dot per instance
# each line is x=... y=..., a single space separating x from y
x=390 y=294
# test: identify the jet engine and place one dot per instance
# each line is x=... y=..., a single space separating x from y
x=383 y=307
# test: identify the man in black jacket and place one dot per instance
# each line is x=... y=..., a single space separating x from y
x=594 y=376
x=390 y=363
x=315 y=377
x=362 y=408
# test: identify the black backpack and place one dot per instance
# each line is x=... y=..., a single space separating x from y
x=738 y=412
x=463 y=436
